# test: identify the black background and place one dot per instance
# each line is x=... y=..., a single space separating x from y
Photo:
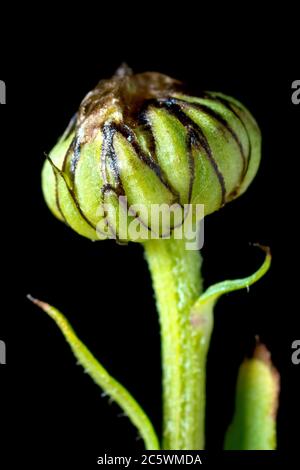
x=48 y=405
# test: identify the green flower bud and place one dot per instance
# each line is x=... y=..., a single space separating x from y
x=140 y=140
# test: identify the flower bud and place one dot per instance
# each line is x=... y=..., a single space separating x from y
x=141 y=140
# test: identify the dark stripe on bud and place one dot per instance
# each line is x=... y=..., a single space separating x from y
x=199 y=139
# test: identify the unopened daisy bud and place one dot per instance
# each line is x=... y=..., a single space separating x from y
x=143 y=139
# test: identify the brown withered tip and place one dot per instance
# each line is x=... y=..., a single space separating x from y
x=262 y=354
x=267 y=250
x=43 y=305
x=123 y=97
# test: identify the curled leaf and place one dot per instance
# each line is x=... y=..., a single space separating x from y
x=212 y=294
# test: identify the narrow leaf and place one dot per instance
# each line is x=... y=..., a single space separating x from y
x=102 y=378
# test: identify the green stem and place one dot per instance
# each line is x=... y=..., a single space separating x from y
x=185 y=335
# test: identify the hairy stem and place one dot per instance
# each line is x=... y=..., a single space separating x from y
x=177 y=284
